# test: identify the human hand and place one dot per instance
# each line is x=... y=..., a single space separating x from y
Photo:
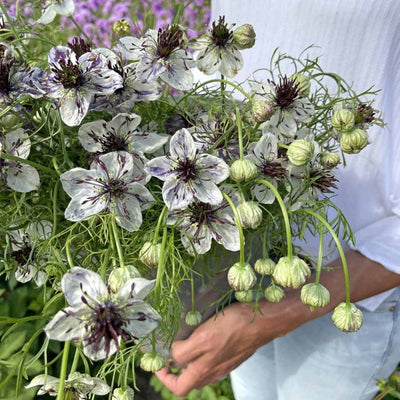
x=215 y=348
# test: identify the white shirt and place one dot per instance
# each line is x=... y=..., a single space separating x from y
x=360 y=41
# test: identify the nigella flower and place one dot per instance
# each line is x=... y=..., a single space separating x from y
x=75 y=79
x=216 y=137
x=114 y=185
x=100 y=318
x=16 y=80
x=76 y=387
x=54 y=7
x=188 y=174
x=23 y=243
x=122 y=133
x=290 y=108
x=201 y=222
x=264 y=155
x=133 y=90
x=17 y=175
x=218 y=51
x=161 y=54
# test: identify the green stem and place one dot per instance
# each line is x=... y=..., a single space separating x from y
x=192 y=289
x=240 y=133
x=239 y=225
x=68 y=253
x=153 y=342
x=73 y=20
x=159 y=223
x=55 y=193
x=160 y=268
x=339 y=247
x=31 y=163
x=63 y=373
x=75 y=361
x=320 y=252
x=117 y=242
x=285 y=216
x=223 y=91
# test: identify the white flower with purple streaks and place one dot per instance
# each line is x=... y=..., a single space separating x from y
x=161 y=54
x=122 y=133
x=188 y=175
x=202 y=222
x=133 y=90
x=23 y=243
x=100 y=318
x=264 y=155
x=75 y=79
x=54 y=7
x=114 y=186
x=17 y=175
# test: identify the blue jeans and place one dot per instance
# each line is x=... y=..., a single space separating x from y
x=319 y=362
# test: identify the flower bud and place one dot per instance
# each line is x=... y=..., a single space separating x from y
x=291 y=273
x=315 y=295
x=250 y=214
x=9 y=122
x=300 y=152
x=241 y=277
x=264 y=266
x=149 y=254
x=244 y=36
x=354 y=141
x=262 y=110
x=121 y=394
x=122 y=27
x=347 y=317
x=243 y=170
x=330 y=160
x=119 y=276
x=193 y=318
x=274 y=293
x=343 y=120
x=152 y=362
x=303 y=83
x=244 y=296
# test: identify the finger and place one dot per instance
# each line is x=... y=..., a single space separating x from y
x=180 y=385
x=186 y=351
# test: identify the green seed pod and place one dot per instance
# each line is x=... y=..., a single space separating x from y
x=121 y=394
x=241 y=277
x=347 y=318
x=330 y=160
x=262 y=110
x=152 y=362
x=343 y=120
x=250 y=214
x=119 y=276
x=315 y=295
x=264 y=266
x=122 y=27
x=244 y=36
x=291 y=273
x=300 y=152
x=149 y=254
x=274 y=293
x=193 y=318
x=245 y=296
x=303 y=83
x=243 y=170
x=354 y=141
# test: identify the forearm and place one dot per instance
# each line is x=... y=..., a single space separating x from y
x=367 y=278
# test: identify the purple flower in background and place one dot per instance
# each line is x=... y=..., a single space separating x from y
x=188 y=175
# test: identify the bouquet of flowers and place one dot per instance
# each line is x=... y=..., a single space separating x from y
x=126 y=182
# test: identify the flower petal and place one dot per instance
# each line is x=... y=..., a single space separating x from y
x=77 y=180
x=182 y=145
x=176 y=194
x=142 y=319
x=212 y=168
x=135 y=288
x=22 y=178
x=78 y=282
x=18 y=143
x=74 y=105
x=97 y=351
x=161 y=168
x=128 y=213
x=91 y=135
x=231 y=62
x=207 y=192
x=67 y=325
x=85 y=204
x=209 y=60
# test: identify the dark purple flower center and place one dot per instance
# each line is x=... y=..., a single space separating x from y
x=68 y=74
x=5 y=69
x=200 y=213
x=23 y=255
x=364 y=113
x=111 y=142
x=323 y=180
x=220 y=32
x=286 y=92
x=80 y=46
x=186 y=169
x=116 y=187
x=273 y=169
x=168 y=40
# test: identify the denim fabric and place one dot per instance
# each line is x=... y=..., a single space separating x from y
x=317 y=361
